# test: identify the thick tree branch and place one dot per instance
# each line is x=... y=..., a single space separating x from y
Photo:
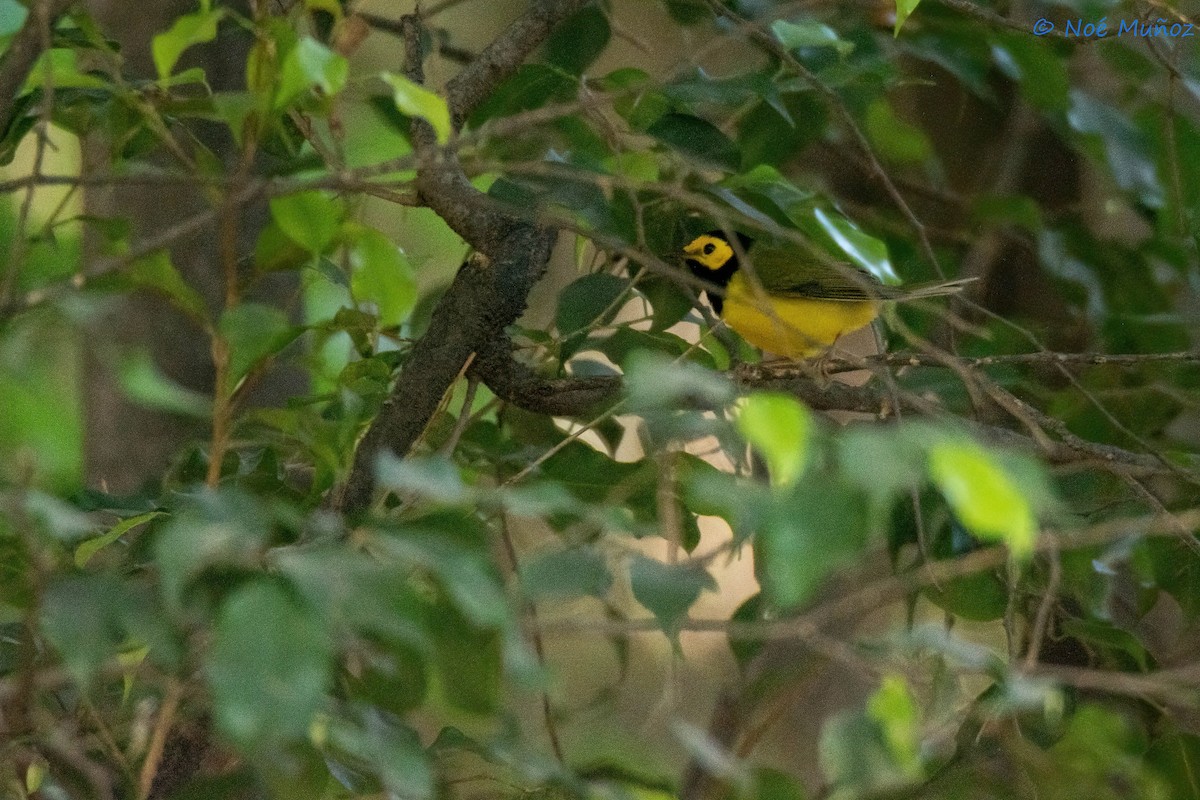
x=24 y=52
x=501 y=58
x=490 y=291
x=516 y=383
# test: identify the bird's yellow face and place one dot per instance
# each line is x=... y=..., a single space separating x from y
x=709 y=251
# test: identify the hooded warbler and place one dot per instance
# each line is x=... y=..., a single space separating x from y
x=799 y=306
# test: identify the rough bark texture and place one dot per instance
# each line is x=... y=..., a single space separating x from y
x=489 y=293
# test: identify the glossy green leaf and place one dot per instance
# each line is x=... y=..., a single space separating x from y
x=393 y=750
x=254 y=332
x=309 y=65
x=779 y=427
x=809 y=33
x=417 y=101
x=668 y=590
x=861 y=248
x=268 y=667
x=1127 y=149
x=983 y=496
x=382 y=275
x=436 y=478
x=310 y=219
x=187 y=30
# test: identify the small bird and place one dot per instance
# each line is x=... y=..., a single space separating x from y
x=799 y=306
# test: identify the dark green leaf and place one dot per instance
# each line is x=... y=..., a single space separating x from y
x=589 y=301
x=579 y=40
x=696 y=139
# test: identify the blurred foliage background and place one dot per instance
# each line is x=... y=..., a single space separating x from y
x=961 y=561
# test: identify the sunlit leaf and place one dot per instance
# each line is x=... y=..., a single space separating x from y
x=310 y=64
x=310 y=219
x=904 y=9
x=983 y=496
x=779 y=427
x=382 y=275
x=417 y=101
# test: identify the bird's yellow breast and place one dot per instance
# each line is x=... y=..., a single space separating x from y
x=794 y=327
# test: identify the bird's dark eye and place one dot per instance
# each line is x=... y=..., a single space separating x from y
x=709 y=248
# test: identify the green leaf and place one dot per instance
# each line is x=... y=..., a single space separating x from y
x=904 y=9
x=91 y=619
x=156 y=272
x=1040 y=71
x=219 y=529
x=310 y=219
x=697 y=139
x=531 y=86
x=584 y=301
x=188 y=30
x=381 y=274
x=310 y=64
x=1128 y=151
x=12 y=18
x=393 y=750
x=89 y=548
x=983 y=496
x=809 y=33
x=566 y=573
x=468 y=660
x=822 y=526
x=896 y=139
x=668 y=590
x=780 y=427
x=894 y=709
x=254 y=332
x=417 y=101
x=655 y=381
x=436 y=478
x=863 y=249
x=268 y=668
x=579 y=40
x=143 y=382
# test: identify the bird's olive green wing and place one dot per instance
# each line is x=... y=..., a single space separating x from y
x=792 y=272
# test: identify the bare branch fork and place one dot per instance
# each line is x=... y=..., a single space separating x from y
x=490 y=292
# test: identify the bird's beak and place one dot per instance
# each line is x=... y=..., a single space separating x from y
x=692 y=249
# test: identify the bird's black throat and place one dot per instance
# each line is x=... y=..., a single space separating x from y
x=721 y=277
